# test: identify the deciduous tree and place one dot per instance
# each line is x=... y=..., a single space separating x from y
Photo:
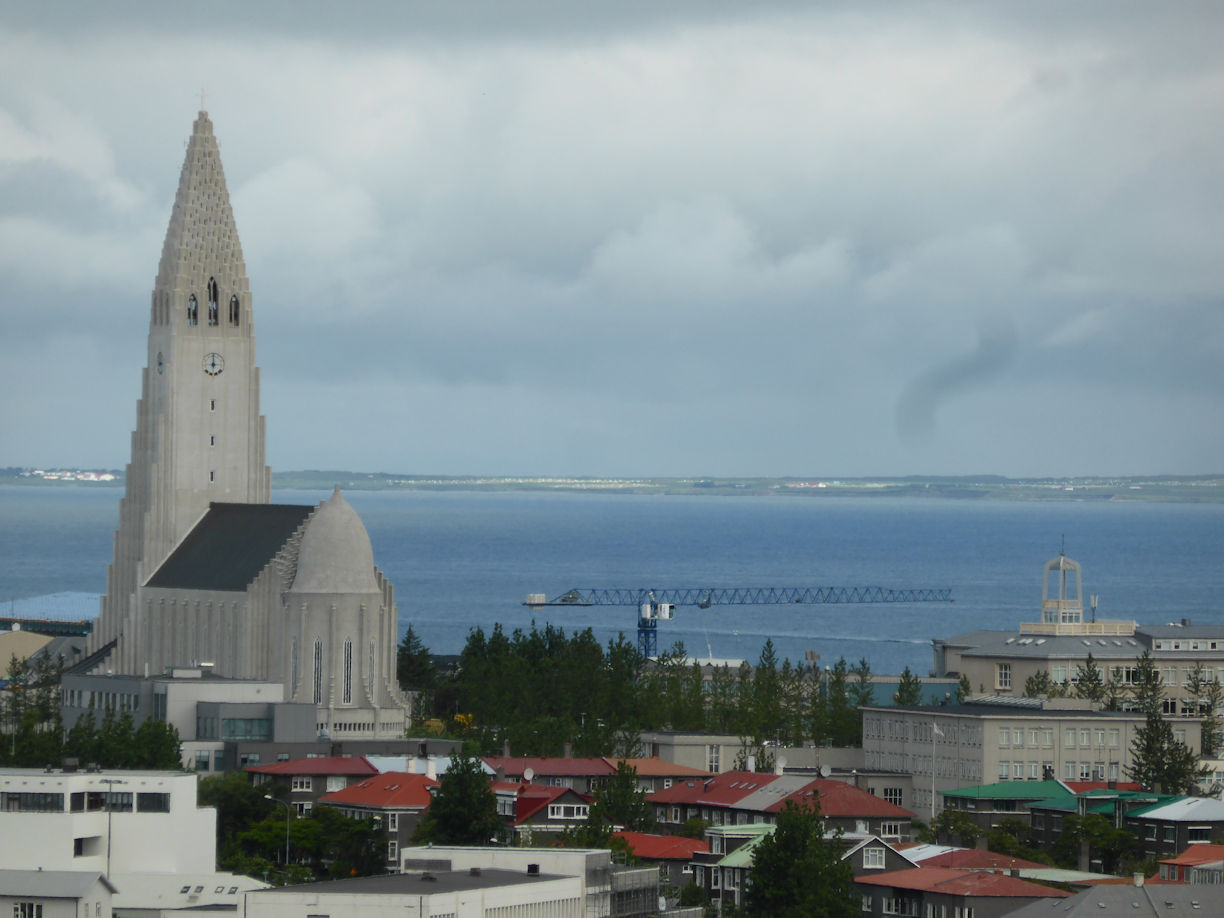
x=798 y=872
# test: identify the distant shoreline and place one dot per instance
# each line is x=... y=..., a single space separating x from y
x=1162 y=488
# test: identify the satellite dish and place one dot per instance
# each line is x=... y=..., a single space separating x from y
x=528 y=774
x=825 y=771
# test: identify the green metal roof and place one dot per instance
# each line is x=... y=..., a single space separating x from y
x=1010 y=790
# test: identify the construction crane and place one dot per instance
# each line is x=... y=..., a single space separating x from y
x=659 y=605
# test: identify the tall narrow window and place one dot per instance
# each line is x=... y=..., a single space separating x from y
x=212 y=301
x=373 y=668
x=293 y=667
x=348 y=671
x=318 y=671
x=193 y=311
x=234 y=310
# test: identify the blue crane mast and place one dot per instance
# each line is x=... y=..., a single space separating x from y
x=655 y=605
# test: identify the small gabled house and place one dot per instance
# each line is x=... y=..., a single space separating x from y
x=921 y=891
x=743 y=797
x=672 y=854
x=1197 y=864
x=540 y=808
x=311 y=778
x=725 y=870
x=396 y=799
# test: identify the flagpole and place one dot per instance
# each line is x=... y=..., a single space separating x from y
x=934 y=729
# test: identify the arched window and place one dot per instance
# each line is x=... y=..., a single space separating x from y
x=318 y=671
x=234 y=309
x=348 y=671
x=193 y=311
x=212 y=301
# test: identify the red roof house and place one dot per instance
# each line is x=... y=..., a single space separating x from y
x=746 y=796
x=311 y=778
x=395 y=798
x=671 y=852
x=948 y=890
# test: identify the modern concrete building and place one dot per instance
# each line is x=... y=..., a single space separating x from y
x=142 y=832
x=475 y=893
x=606 y=889
x=205 y=569
x=1003 y=738
x=1001 y=662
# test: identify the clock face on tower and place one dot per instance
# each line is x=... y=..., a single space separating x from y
x=214 y=363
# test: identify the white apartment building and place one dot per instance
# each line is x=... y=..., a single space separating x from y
x=105 y=822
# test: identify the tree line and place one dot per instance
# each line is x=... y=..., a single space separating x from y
x=542 y=689
x=34 y=728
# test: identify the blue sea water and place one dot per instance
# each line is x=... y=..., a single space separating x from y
x=466 y=559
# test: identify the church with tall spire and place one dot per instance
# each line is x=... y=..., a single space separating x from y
x=207 y=571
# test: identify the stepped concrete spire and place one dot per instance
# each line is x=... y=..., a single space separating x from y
x=202 y=239
x=199 y=436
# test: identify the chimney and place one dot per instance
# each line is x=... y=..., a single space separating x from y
x=431 y=768
x=567 y=751
x=506 y=749
x=1138 y=878
x=750 y=764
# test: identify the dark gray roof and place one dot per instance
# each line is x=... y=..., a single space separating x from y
x=1165 y=899
x=230 y=546
x=1011 y=707
x=1174 y=630
x=417 y=884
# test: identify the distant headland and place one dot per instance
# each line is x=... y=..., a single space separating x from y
x=1198 y=488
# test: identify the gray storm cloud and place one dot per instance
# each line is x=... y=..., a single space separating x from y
x=922 y=399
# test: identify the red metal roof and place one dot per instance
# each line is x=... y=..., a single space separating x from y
x=390 y=790
x=973 y=859
x=953 y=881
x=663 y=847
x=549 y=766
x=1195 y=855
x=656 y=767
x=839 y=799
x=724 y=789
x=324 y=765
x=1083 y=787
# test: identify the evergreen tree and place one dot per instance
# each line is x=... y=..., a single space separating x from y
x=1040 y=683
x=963 y=689
x=1147 y=687
x=414 y=666
x=1090 y=681
x=842 y=715
x=463 y=810
x=1208 y=700
x=765 y=720
x=797 y=872
x=1160 y=762
x=909 y=690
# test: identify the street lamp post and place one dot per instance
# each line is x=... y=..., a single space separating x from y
x=109 y=797
x=288 y=811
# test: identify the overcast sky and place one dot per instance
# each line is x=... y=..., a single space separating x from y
x=638 y=238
